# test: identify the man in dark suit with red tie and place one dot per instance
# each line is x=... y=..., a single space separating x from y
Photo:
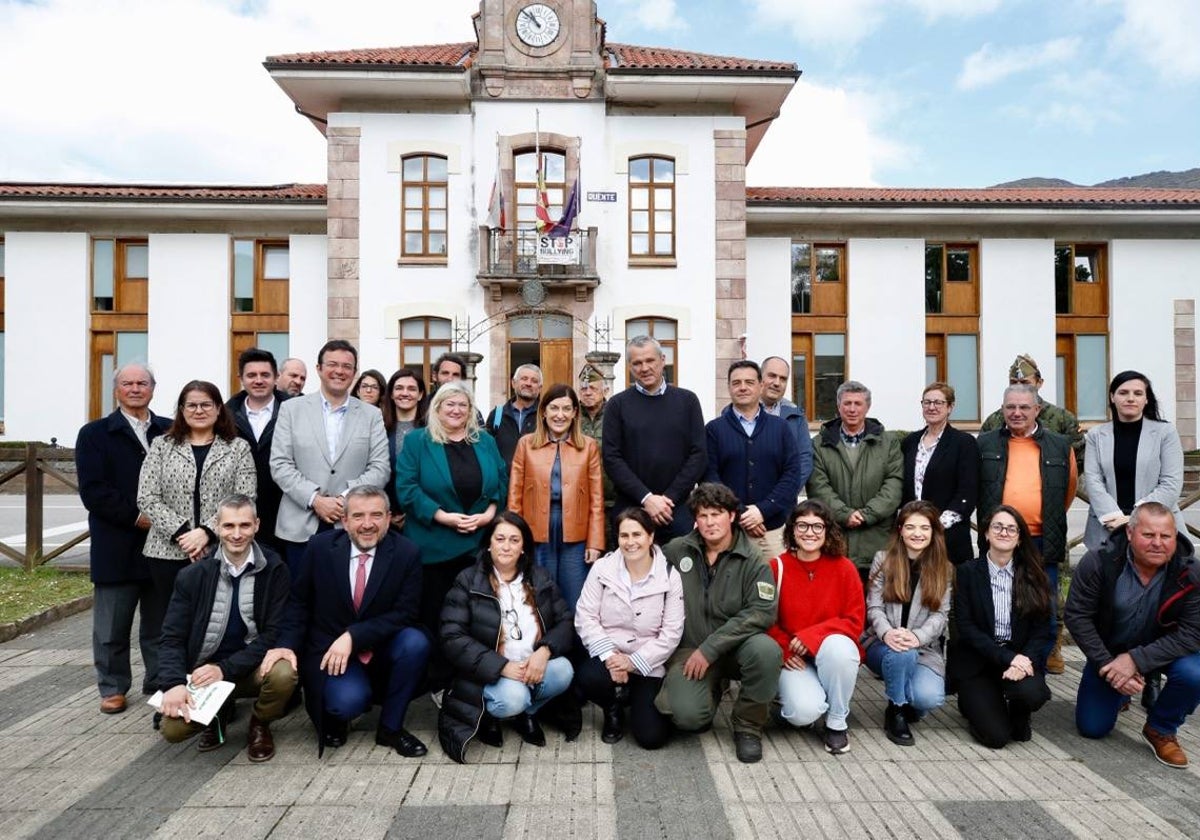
x=352 y=624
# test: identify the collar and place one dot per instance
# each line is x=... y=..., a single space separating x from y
x=993 y=569
x=657 y=392
x=268 y=408
x=330 y=408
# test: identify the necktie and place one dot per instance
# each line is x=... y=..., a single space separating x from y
x=360 y=586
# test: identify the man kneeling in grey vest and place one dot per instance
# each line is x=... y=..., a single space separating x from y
x=224 y=616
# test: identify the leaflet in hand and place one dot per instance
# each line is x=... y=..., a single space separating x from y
x=205 y=700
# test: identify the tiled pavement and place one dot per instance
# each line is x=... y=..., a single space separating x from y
x=68 y=771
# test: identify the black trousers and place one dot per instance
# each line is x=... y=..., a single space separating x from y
x=649 y=727
x=154 y=608
x=436 y=580
x=994 y=706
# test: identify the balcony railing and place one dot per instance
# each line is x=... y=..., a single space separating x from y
x=514 y=254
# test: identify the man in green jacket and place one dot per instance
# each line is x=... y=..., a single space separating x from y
x=729 y=603
x=1024 y=371
x=858 y=471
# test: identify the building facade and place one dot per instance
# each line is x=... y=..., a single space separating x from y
x=442 y=161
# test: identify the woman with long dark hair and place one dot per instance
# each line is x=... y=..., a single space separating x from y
x=630 y=619
x=908 y=601
x=820 y=619
x=506 y=631
x=556 y=484
x=1002 y=604
x=1135 y=457
x=189 y=469
x=403 y=406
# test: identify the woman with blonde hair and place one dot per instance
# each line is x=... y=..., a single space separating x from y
x=450 y=483
x=908 y=603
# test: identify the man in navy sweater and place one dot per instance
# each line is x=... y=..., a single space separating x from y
x=754 y=454
x=654 y=448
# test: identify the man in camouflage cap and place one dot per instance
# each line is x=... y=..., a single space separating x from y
x=593 y=395
x=1024 y=371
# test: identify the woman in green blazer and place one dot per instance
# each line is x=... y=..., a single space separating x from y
x=450 y=482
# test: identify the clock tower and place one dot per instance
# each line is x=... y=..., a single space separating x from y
x=538 y=49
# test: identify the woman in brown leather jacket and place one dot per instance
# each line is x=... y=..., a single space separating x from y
x=555 y=485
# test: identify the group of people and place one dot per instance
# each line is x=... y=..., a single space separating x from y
x=369 y=541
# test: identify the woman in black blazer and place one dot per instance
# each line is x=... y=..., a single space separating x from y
x=1002 y=614
x=941 y=465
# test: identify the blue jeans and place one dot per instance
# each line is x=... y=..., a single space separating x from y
x=824 y=687
x=393 y=674
x=564 y=561
x=1097 y=704
x=507 y=698
x=904 y=681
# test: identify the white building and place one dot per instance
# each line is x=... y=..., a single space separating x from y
x=398 y=253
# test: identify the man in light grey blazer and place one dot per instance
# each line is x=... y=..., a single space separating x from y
x=325 y=443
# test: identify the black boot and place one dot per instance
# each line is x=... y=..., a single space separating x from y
x=614 y=725
x=489 y=731
x=895 y=726
x=530 y=730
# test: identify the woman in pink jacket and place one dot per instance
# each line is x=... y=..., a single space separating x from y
x=630 y=618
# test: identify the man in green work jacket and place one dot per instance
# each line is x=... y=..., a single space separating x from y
x=729 y=602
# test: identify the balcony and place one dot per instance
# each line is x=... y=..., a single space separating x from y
x=510 y=258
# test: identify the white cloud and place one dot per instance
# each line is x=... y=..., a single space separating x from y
x=935 y=9
x=1164 y=35
x=990 y=64
x=170 y=90
x=841 y=24
x=826 y=137
x=845 y=23
x=655 y=15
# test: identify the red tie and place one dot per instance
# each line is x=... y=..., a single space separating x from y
x=360 y=586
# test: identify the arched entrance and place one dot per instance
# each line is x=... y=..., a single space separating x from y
x=543 y=339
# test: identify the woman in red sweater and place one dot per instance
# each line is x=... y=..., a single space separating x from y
x=821 y=613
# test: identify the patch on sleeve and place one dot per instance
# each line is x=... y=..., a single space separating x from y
x=766 y=591
x=685 y=565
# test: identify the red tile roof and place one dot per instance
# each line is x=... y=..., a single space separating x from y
x=280 y=193
x=1095 y=197
x=444 y=56
x=629 y=57
x=459 y=57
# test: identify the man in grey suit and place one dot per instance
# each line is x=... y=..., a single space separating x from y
x=325 y=443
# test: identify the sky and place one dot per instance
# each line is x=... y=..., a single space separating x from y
x=902 y=93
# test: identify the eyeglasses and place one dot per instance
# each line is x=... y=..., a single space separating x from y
x=933 y=403
x=814 y=527
x=338 y=366
x=1004 y=530
x=513 y=628
x=462 y=406
x=199 y=408
x=1024 y=409
x=368 y=386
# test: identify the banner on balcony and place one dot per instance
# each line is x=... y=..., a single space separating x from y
x=558 y=250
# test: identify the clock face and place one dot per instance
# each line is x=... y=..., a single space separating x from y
x=537 y=24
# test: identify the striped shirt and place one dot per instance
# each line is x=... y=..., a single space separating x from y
x=1002 y=588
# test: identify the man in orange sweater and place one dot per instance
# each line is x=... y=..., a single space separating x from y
x=1033 y=470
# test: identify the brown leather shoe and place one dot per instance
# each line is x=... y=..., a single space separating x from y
x=209 y=739
x=1166 y=748
x=260 y=745
x=113 y=704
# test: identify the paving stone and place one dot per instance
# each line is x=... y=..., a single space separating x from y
x=458 y=822
x=243 y=822
x=585 y=821
x=1019 y=820
x=305 y=822
x=33 y=695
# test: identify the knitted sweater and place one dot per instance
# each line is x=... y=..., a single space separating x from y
x=817 y=600
x=654 y=445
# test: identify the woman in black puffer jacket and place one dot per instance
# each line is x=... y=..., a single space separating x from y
x=505 y=631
